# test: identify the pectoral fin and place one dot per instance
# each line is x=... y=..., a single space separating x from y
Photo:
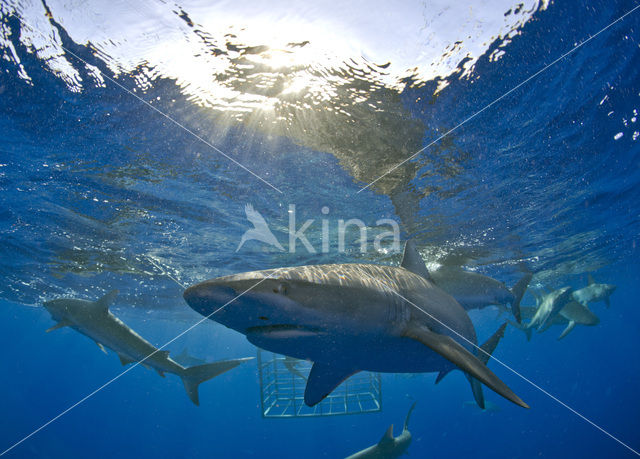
x=323 y=379
x=455 y=353
x=62 y=323
x=566 y=331
x=125 y=360
x=101 y=347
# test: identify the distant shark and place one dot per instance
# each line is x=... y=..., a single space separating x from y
x=351 y=317
x=474 y=290
x=292 y=365
x=93 y=319
x=549 y=306
x=594 y=292
x=388 y=447
x=572 y=314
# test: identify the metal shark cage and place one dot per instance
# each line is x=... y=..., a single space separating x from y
x=282 y=384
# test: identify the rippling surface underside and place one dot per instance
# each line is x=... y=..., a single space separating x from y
x=98 y=188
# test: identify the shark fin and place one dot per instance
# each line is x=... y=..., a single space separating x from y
x=160 y=372
x=490 y=345
x=476 y=389
x=524 y=327
x=518 y=292
x=322 y=380
x=442 y=374
x=406 y=420
x=61 y=324
x=566 y=331
x=107 y=300
x=101 y=347
x=486 y=350
x=124 y=360
x=451 y=350
x=412 y=261
x=192 y=377
x=590 y=279
x=387 y=437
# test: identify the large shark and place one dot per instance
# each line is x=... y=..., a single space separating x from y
x=388 y=447
x=594 y=292
x=93 y=319
x=350 y=317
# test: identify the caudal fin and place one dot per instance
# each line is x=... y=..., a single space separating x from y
x=518 y=291
x=406 y=420
x=193 y=376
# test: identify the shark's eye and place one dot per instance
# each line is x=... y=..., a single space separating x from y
x=281 y=289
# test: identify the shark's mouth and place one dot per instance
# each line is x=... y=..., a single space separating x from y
x=284 y=331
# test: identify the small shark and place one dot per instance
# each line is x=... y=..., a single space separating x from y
x=549 y=305
x=572 y=314
x=594 y=292
x=93 y=319
x=388 y=447
x=292 y=365
x=348 y=318
x=475 y=291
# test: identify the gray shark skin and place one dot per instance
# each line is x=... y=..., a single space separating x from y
x=388 y=447
x=549 y=305
x=94 y=320
x=594 y=292
x=572 y=314
x=476 y=291
x=187 y=360
x=347 y=318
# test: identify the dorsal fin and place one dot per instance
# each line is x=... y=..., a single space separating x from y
x=107 y=300
x=388 y=436
x=412 y=261
x=590 y=279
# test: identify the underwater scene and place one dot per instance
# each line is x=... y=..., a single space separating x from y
x=321 y=229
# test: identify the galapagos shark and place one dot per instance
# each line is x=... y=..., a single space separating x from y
x=475 y=291
x=94 y=320
x=572 y=314
x=594 y=292
x=388 y=447
x=549 y=305
x=348 y=318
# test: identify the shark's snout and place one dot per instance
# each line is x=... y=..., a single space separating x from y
x=206 y=297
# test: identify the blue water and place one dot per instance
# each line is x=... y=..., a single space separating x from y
x=98 y=191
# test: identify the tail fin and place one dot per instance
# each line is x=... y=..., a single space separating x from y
x=193 y=376
x=486 y=350
x=518 y=291
x=527 y=330
x=406 y=420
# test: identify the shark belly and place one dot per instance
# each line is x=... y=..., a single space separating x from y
x=368 y=352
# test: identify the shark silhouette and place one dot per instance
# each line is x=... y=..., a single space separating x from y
x=260 y=230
